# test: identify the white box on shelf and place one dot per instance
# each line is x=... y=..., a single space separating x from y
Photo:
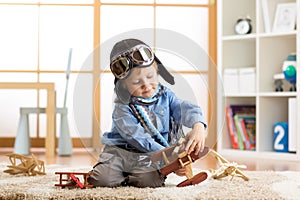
x=247 y=78
x=231 y=81
x=292 y=116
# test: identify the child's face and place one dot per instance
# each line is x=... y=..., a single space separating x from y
x=142 y=82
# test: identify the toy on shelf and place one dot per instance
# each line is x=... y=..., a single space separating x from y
x=278 y=82
x=289 y=73
x=29 y=166
x=174 y=160
x=289 y=70
x=68 y=179
x=227 y=168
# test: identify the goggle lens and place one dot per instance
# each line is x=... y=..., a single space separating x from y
x=142 y=55
x=138 y=56
x=120 y=67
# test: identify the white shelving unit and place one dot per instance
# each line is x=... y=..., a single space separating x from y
x=266 y=52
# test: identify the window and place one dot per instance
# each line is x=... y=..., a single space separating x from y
x=36 y=36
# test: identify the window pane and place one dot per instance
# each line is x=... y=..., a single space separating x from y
x=82 y=104
x=183 y=1
x=19 y=37
x=191 y=23
x=14 y=100
x=68 y=1
x=107 y=101
x=50 y=1
x=63 y=28
x=119 y=19
x=59 y=79
x=158 y=1
x=18 y=77
x=60 y=86
x=192 y=87
x=114 y=30
x=10 y=111
x=19 y=1
x=11 y=102
x=127 y=1
x=174 y=61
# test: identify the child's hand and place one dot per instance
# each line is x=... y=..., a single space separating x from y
x=195 y=139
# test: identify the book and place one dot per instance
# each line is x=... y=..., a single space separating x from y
x=231 y=111
x=250 y=125
x=240 y=136
x=243 y=109
x=245 y=135
x=231 y=128
x=246 y=124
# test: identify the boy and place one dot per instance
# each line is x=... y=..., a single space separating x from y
x=147 y=118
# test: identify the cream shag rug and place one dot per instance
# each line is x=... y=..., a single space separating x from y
x=262 y=185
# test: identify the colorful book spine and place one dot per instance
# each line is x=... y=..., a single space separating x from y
x=239 y=131
x=247 y=143
x=246 y=131
x=250 y=126
x=241 y=126
x=231 y=128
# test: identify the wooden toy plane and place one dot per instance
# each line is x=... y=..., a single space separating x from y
x=68 y=179
x=227 y=168
x=29 y=166
x=175 y=160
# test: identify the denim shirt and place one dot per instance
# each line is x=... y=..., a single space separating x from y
x=127 y=130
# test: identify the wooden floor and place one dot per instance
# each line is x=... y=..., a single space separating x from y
x=88 y=157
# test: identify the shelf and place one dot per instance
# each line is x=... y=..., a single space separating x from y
x=283 y=35
x=259 y=35
x=277 y=94
x=239 y=37
x=263 y=94
x=240 y=95
x=266 y=52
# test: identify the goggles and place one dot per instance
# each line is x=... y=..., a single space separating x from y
x=138 y=56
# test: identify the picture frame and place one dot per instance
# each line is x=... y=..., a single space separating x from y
x=285 y=17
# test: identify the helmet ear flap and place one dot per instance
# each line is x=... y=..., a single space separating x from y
x=165 y=74
x=122 y=92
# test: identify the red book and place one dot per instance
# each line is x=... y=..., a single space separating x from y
x=231 y=128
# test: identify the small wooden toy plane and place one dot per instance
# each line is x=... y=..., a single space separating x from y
x=68 y=179
x=227 y=168
x=29 y=166
x=175 y=160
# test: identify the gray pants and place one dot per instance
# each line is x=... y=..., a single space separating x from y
x=119 y=167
